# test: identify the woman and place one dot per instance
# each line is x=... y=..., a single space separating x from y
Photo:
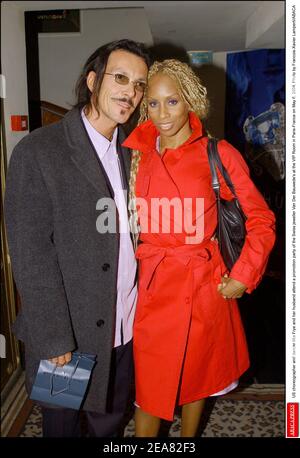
x=189 y=342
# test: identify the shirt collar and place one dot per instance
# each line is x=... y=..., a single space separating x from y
x=101 y=143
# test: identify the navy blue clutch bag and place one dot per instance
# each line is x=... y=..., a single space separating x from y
x=63 y=386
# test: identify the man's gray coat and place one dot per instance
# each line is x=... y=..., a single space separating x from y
x=65 y=270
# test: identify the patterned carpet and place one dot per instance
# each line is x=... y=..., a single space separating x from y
x=221 y=418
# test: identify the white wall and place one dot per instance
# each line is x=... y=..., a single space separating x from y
x=218 y=94
x=62 y=56
x=13 y=57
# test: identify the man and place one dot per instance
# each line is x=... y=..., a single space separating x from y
x=77 y=280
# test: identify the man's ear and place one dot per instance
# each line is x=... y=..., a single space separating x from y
x=90 y=80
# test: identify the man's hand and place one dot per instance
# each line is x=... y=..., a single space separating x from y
x=230 y=288
x=62 y=360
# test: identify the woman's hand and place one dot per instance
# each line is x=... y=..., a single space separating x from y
x=62 y=360
x=230 y=288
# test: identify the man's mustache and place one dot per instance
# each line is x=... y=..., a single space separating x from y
x=129 y=101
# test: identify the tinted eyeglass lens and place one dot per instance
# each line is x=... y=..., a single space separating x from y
x=124 y=80
x=121 y=79
x=140 y=86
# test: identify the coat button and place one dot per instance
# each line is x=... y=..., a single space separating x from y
x=100 y=323
x=105 y=267
x=187 y=300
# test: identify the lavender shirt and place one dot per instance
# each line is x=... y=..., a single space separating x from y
x=126 y=286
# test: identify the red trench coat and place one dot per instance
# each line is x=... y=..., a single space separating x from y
x=189 y=341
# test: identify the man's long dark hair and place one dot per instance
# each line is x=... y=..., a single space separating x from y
x=97 y=62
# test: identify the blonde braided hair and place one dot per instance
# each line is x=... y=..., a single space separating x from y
x=195 y=96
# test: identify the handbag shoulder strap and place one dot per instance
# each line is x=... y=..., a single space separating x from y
x=214 y=177
x=212 y=148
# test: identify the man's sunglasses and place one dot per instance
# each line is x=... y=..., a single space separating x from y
x=124 y=81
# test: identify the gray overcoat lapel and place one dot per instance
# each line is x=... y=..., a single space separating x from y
x=85 y=157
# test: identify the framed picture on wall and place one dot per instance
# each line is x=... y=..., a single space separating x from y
x=200 y=57
x=58 y=21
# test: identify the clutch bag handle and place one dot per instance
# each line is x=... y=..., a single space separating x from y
x=52 y=390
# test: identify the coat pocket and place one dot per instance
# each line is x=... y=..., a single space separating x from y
x=212 y=309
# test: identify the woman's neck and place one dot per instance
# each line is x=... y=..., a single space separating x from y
x=176 y=140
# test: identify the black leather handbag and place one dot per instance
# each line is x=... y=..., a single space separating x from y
x=231 y=230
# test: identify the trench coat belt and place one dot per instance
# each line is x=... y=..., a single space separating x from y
x=183 y=253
